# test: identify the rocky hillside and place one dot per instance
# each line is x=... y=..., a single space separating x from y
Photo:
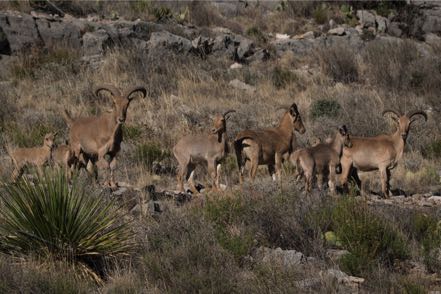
x=94 y=36
x=341 y=62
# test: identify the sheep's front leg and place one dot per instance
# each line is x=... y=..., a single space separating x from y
x=384 y=182
x=212 y=170
x=331 y=180
x=278 y=162
x=112 y=167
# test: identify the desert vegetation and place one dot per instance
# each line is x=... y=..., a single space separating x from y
x=76 y=236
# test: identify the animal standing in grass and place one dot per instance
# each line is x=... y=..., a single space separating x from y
x=268 y=146
x=97 y=139
x=322 y=159
x=35 y=156
x=64 y=157
x=207 y=149
x=381 y=152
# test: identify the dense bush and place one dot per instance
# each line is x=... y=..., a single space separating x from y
x=327 y=108
x=282 y=77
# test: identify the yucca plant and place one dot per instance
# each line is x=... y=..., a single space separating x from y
x=51 y=219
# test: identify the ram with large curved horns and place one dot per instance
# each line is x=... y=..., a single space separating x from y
x=97 y=139
x=381 y=152
x=208 y=149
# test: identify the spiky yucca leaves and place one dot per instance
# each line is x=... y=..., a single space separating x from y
x=49 y=219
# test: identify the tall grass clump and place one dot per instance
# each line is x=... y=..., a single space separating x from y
x=339 y=62
x=370 y=239
x=400 y=65
x=52 y=221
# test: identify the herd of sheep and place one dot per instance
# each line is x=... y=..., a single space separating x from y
x=95 y=141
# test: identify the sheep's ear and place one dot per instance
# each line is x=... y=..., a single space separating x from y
x=343 y=130
x=293 y=110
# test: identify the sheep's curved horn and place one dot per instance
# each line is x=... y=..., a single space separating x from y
x=112 y=89
x=391 y=111
x=417 y=112
x=229 y=111
x=141 y=89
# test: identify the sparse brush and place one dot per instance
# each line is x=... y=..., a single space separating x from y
x=339 y=62
x=51 y=220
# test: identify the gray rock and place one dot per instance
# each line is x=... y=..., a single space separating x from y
x=120 y=191
x=339 y=31
x=245 y=48
x=432 y=39
x=308 y=35
x=394 y=29
x=143 y=30
x=96 y=43
x=299 y=47
x=366 y=18
x=432 y=20
x=56 y=31
x=242 y=86
x=259 y=55
x=166 y=40
x=20 y=31
x=285 y=258
x=382 y=23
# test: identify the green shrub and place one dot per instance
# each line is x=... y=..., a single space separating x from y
x=281 y=77
x=225 y=213
x=327 y=108
x=433 y=150
x=53 y=221
x=320 y=14
x=162 y=13
x=140 y=6
x=131 y=132
x=426 y=229
x=148 y=153
x=369 y=238
x=257 y=34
